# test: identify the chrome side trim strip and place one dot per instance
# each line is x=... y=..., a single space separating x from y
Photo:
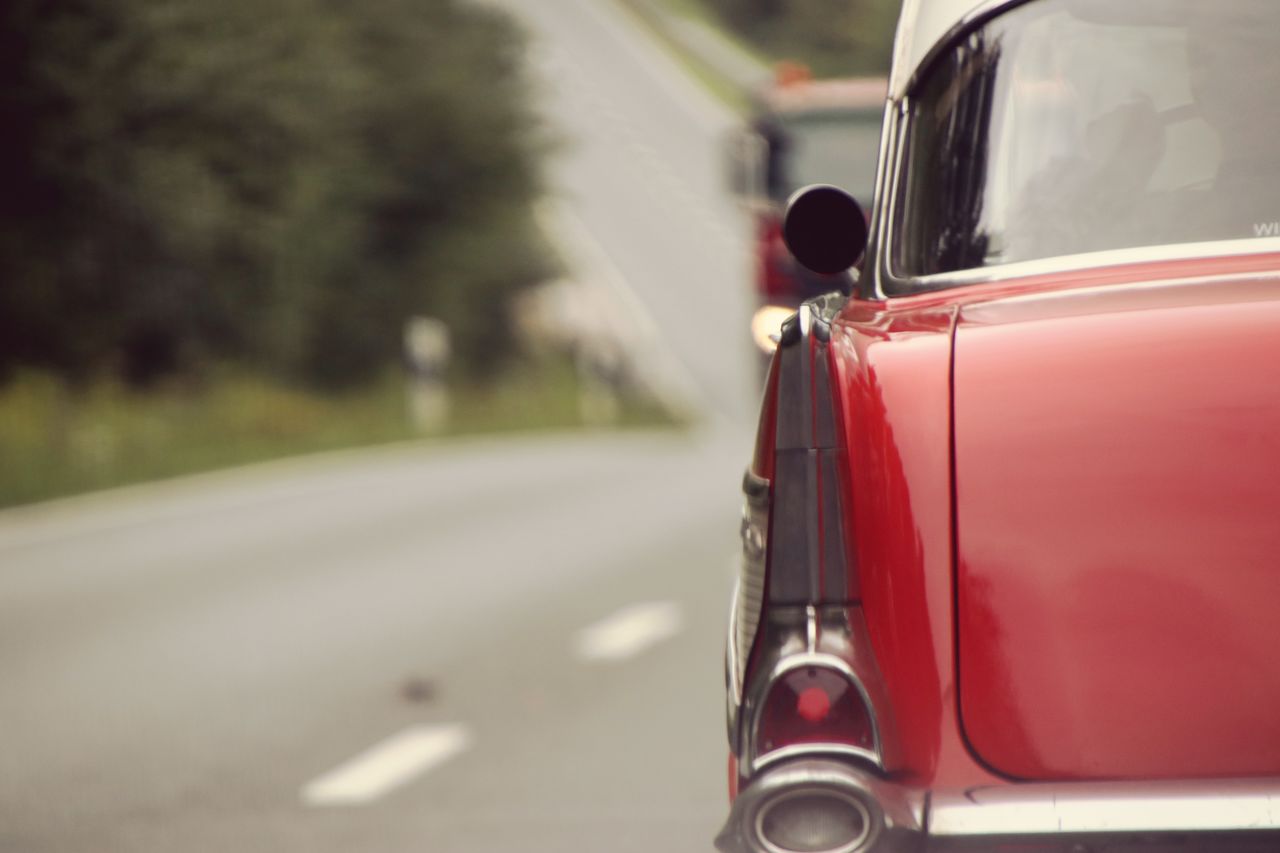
x=1036 y=809
x=811 y=630
x=747 y=604
x=732 y=680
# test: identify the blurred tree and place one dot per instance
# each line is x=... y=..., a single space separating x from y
x=279 y=181
x=835 y=37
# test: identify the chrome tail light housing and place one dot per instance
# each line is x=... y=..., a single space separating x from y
x=798 y=644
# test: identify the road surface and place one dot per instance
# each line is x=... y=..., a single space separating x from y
x=485 y=645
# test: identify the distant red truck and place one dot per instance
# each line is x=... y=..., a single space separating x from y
x=1011 y=541
x=801 y=131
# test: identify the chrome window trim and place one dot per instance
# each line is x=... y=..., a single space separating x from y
x=1112 y=258
x=883 y=270
x=868 y=280
x=751 y=590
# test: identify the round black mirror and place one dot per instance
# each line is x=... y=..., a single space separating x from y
x=825 y=229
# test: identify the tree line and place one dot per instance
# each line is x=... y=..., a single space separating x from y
x=273 y=182
x=838 y=37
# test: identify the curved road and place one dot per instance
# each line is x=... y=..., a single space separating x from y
x=472 y=646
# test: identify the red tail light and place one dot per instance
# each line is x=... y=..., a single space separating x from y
x=814 y=704
x=801 y=675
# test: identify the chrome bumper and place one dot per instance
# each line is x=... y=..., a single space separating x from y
x=1154 y=817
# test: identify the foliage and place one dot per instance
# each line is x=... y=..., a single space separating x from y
x=53 y=442
x=836 y=37
x=278 y=182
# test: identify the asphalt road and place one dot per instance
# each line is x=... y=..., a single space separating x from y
x=641 y=172
x=477 y=646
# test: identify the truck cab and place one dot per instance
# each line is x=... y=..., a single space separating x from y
x=801 y=131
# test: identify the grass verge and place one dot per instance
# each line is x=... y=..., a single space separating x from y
x=789 y=37
x=657 y=15
x=54 y=442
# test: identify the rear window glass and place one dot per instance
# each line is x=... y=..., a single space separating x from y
x=1072 y=126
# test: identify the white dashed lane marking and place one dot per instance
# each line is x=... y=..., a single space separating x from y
x=629 y=632
x=386 y=766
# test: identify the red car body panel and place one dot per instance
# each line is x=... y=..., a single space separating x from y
x=894 y=432
x=1116 y=477
x=893 y=364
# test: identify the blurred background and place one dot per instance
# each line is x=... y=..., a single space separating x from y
x=487 y=256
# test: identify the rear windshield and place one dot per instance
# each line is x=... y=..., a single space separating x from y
x=1070 y=126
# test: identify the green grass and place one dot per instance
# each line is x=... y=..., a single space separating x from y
x=719 y=87
x=56 y=442
x=778 y=42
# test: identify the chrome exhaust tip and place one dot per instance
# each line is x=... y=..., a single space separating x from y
x=819 y=806
x=814 y=820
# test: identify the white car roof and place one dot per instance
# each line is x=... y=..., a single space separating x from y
x=922 y=24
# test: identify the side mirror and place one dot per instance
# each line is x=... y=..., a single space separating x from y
x=825 y=229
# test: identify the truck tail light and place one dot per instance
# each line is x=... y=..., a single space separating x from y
x=776 y=272
x=766 y=326
x=814 y=704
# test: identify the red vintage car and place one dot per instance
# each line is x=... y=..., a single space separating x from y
x=1011 y=545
